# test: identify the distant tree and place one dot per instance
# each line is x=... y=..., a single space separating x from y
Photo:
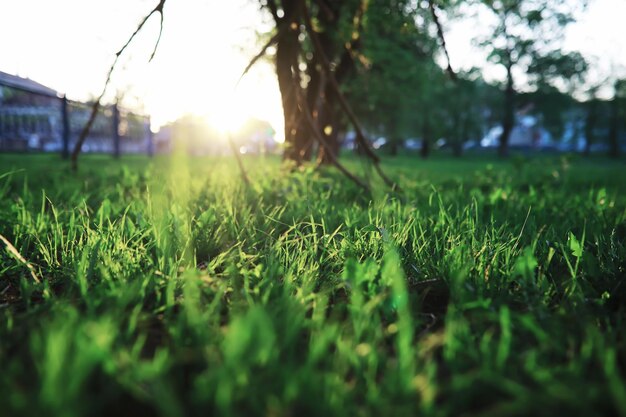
x=617 y=117
x=317 y=43
x=551 y=108
x=308 y=95
x=526 y=37
x=591 y=107
x=465 y=102
x=397 y=62
x=320 y=44
x=432 y=118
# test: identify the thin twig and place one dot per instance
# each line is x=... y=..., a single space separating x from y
x=97 y=104
x=272 y=41
x=20 y=258
x=156 y=44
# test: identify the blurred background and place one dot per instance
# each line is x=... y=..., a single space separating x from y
x=535 y=76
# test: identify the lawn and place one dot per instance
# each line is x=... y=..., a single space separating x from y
x=167 y=287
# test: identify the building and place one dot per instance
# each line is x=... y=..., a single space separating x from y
x=32 y=119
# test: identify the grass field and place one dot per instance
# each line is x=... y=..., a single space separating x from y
x=168 y=288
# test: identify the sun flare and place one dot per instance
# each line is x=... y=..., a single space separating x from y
x=226 y=121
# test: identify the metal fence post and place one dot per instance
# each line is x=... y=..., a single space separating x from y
x=65 y=119
x=116 y=131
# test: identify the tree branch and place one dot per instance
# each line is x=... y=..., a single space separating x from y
x=360 y=136
x=156 y=44
x=272 y=41
x=433 y=12
x=97 y=104
x=322 y=141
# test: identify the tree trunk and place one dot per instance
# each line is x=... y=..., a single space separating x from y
x=317 y=99
x=459 y=134
x=393 y=147
x=328 y=111
x=614 y=130
x=425 y=151
x=457 y=149
x=287 y=50
x=590 y=125
x=330 y=129
x=319 y=94
x=509 y=114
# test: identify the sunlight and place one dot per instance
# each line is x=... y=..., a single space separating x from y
x=198 y=79
x=226 y=121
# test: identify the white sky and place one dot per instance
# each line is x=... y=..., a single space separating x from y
x=599 y=34
x=69 y=45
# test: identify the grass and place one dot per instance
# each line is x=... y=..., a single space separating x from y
x=168 y=288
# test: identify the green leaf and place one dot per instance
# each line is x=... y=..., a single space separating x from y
x=574 y=245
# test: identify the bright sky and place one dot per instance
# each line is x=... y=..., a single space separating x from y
x=69 y=45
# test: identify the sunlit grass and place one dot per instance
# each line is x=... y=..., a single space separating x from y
x=170 y=288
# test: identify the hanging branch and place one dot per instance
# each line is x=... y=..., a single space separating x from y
x=322 y=141
x=159 y=10
x=97 y=104
x=320 y=98
x=260 y=55
x=326 y=67
x=433 y=12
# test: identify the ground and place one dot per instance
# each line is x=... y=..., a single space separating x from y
x=166 y=287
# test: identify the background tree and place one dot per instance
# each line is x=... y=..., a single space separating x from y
x=301 y=49
x=300 y=67
x=396 y=59
x=318 y=45
x=556 y=76
x=591 y=107
x=465 y=103
x=525 y=32
x=617 y=117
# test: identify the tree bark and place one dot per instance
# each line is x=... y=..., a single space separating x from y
x=327 y=118
x=287 y=50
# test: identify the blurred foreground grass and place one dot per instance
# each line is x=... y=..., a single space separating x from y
x=168 y=288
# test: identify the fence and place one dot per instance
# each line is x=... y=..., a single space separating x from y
x=36 y=118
